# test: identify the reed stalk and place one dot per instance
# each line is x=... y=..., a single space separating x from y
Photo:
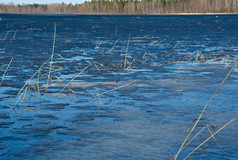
x=5 y=36
x=14 y=37
x=113 y=45
x=210 y=137
x=75 y=77
x=210 y=131
x=117 y=88
x=97 y=94
x=23 y=98
x=116 y=31
x=180 y=149
x=67 y=86
x=51 y=60
x=125 y=61
x=6 y=70
x=192 y=139
x=39 y=70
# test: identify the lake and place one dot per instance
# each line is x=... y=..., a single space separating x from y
x=117 y=87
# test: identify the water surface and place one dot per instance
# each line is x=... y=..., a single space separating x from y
x=160 y=71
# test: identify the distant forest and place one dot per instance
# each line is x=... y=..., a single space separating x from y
x=127 y=7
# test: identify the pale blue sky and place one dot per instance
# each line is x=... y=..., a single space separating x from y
x=40 y=1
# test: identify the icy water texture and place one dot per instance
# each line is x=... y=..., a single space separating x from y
x=173 y=66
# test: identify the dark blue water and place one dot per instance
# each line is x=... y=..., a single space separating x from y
x=153 y=76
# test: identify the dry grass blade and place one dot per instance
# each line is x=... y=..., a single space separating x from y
x=97 y=46
x=113 y=46
x=24 y=96
x=132 y=62
x=226 y=64
x=176 y=91
x=210 y=137
x=6 y=71
x=38 y=84
x=129 y=65
x=175 y=45
x=145 y=54
x=151 y=43
x=204 y=110
x=3 y=66
x=141 y=62
x=116 y=31
x=28 y=110
x=100 y=65
x=51 y=59
x=117 y=88
x=161 y=41
x=75 y=77
x=209 y=129
x=197 y=56
x=19 y=98
x=14 y=37
x=97 y=67
x=192 y=139
x=204 y=147
x=41 y=67
x=67 y=86
x=5 y=36
x=60 y=56
x=97 y=94
x=125 y=61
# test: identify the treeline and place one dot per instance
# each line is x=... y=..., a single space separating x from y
x=127 y=7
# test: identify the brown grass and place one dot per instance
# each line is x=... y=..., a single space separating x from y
x=51 y=60
x=6 y=71
x=182 y=146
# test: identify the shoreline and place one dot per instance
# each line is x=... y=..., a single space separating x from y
x=164 y=14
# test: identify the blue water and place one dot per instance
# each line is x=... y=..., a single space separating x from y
x=173 y=66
